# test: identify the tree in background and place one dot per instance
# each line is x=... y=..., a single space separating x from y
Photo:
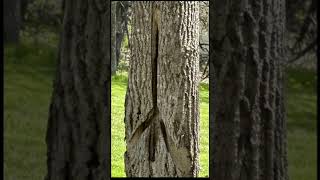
x=119 y=27
x=78 y=133
x=249 y=123
x=161 y=107
x=302 y=27
x=204 y=39
x=11 y=21
x=32 y=17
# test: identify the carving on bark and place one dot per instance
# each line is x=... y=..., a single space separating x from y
x=162 y=96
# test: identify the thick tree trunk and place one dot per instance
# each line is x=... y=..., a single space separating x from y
x=78 y=133
x=11 y=21
x=162 y=114
x=249 y=129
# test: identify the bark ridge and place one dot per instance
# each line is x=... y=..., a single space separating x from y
x=78 y=130
x=248 y=115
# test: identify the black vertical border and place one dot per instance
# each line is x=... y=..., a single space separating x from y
x=108 y=88
x=318 y=100
x=211 y=90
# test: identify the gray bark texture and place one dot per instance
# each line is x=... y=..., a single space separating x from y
x=246 y=64
x=161 y=108
x=78 y=145
x=11 y=21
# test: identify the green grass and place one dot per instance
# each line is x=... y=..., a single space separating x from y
x=28 y=77
x=119 y=85
x=118 y=90
x=302 y=124
x=27 y=90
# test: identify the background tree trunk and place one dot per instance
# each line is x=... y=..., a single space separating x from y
x=11 y=21
x=114 y=61
x=78 y=133
x=249 y=129
x=119 y=27
x=162 y=114
x=23 y=11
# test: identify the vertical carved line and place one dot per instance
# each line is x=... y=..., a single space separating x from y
x=154 y=64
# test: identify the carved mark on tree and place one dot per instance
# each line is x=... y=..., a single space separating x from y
x=151 y=121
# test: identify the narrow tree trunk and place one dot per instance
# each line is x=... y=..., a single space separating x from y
x=77 y=134
x=114 y=63
x=162 y=114
x=11 y=21
x=249 y=132
x=119 y=26
x=23 y=11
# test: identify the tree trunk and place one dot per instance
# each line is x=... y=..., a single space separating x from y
x=78 y=133
x=114 y=63
x=249 y=129
x=11 y=21
x=23 y=11
x=119 y=26
x=162 y=114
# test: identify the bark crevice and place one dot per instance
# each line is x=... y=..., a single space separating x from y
x=164 y=139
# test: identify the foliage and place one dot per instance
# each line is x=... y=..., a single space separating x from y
x=204 y=15
x=43 y=13
x=41 y=19
x=302 y=29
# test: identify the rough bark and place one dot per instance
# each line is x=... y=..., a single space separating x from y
x=11 y=21
x=162 y=114
x=78 y=130
x=248 y=130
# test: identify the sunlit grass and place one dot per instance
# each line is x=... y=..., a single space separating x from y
x=118 y=90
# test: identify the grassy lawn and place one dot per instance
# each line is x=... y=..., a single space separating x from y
x=302 y=124
x=118 y=91
x=28 y=77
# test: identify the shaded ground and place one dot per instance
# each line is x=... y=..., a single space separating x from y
x=28 y=77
